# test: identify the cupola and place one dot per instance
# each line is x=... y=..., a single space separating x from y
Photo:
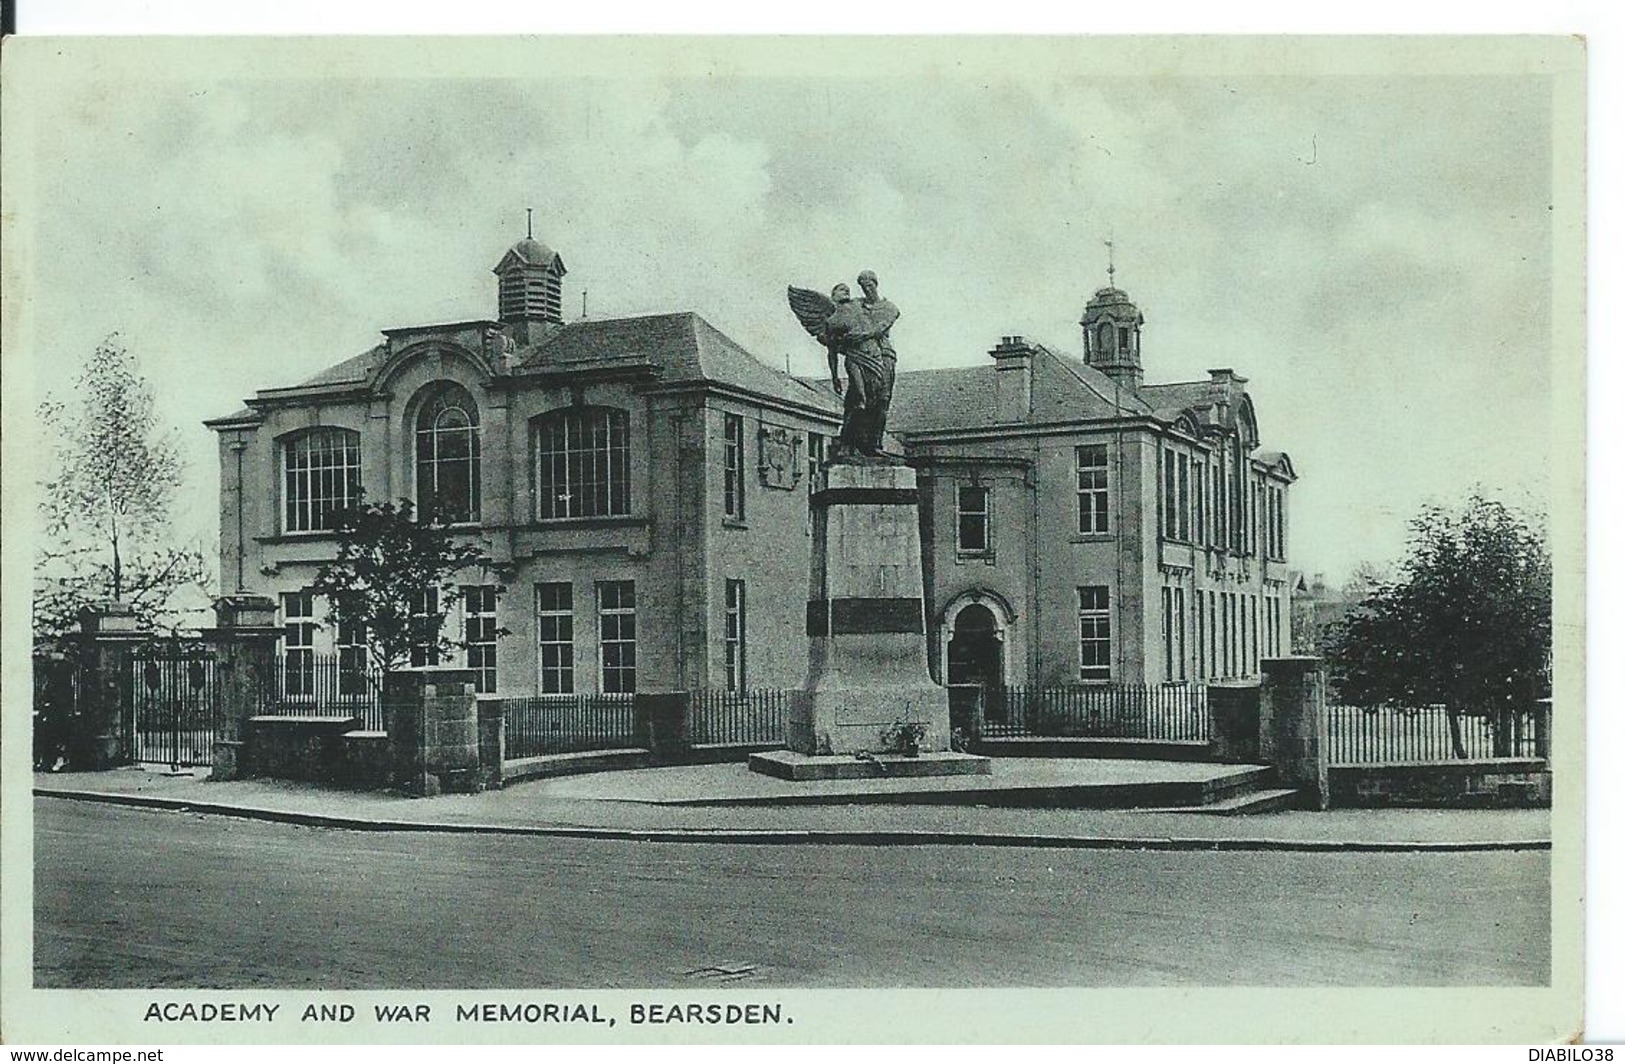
x=530 y=283
x=1111 y=335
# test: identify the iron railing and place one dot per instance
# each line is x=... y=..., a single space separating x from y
x=753 y=717
x=1365 y=735
x=566 y=724
x=324 y=685
x=1168 y=712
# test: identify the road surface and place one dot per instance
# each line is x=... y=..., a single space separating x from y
x=138 y=898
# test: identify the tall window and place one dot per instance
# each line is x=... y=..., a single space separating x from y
x=321 y=475
x=1170 y=523
x=1094 y=633
x=1199 y=615
x=480 y=636
x=556 y=639
x=351 y=642
x=973 y=519
x=583 y=464
x=733 y=466
x=298 y=644
x=815 y=462
x=425 y=627
x=733 y=635
x=1199 y=500
x=1215 y=665
x=618 y=636
x=448 y=456
x=1091 y=465
x=1184 y=502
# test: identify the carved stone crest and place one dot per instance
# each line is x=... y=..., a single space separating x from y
x=779 y=457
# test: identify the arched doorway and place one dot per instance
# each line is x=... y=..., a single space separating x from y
x=976 y=655
x=975 y=651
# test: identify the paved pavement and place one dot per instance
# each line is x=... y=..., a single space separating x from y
x=637 y=804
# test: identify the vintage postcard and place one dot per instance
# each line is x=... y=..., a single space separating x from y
x=793 y=540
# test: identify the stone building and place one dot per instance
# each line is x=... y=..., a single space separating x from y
x=1081 y=525
x=641 y=485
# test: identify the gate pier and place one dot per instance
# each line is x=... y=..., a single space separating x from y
x=244 y=639
x=108 y=637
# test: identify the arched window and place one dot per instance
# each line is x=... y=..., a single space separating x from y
x=583 y=464
x=448 y=456
x=321 y=475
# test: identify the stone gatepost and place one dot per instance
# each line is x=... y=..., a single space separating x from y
x=244 y=640
x=434 y=729
x=1233 y=709
x=108 y=637
x=1292 y=725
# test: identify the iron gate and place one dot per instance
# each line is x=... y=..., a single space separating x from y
x=174 y=709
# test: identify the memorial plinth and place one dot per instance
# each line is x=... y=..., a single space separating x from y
x=869 y=699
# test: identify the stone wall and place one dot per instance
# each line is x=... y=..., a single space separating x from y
x=296 y=748
x=1492 y=782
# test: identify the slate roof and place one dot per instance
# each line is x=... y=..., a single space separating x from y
x=684 y=346
x=351 y=371
x=1064 y=389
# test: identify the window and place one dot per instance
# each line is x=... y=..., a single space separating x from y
x=1200 y=617
x=1168 y=633
x=815 y=463
x=733 y=635
x=973 y=519
x=555 y=639
x=1215 y=663
x=1124 y=336
x=1179 y=673
x=351 y=642
x=1094 y=633
x=1169 y=512
x=815 y=460
x=1091 y=464
x=298 y=645
x=583 y=464
x=618 y=637
x=733 y=466
x=448 y=456
x=1199 y=499
x=321 y=475
x=1184 y=503
x=480 y=636
x=425 y=626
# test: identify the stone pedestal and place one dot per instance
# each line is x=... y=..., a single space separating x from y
x=869 y=690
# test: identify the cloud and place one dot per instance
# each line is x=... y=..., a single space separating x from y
x=1371 y=252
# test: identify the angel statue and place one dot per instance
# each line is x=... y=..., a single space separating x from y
x=859 y=331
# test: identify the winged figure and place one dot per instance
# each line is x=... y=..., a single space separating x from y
x=857 y=331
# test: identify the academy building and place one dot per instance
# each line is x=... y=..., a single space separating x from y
x=642 y=486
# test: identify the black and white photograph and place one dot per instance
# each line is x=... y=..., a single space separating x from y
x=621 y=538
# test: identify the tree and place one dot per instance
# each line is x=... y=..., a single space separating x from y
x=394 y=580
x=106 y=509
x=1466 y=623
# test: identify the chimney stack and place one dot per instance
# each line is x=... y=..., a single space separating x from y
x=1013 y=394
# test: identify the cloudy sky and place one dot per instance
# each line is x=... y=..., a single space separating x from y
x=1371 y=251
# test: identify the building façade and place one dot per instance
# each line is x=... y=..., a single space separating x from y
x=642 y=488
